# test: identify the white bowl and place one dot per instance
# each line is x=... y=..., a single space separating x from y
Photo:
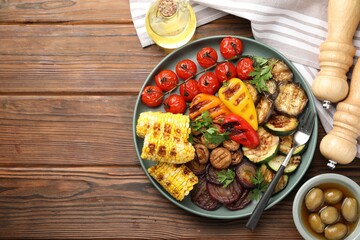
x=338 y=179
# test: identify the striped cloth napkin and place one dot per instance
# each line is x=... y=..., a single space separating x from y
x=294 y=28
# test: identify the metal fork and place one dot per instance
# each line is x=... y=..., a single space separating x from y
x=300 y=138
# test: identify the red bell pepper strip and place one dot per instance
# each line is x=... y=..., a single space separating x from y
x=240 y=131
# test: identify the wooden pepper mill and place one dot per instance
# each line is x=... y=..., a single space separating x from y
x=339 y=145
x=337 y=52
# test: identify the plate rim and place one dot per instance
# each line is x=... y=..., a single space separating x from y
x=208 y=214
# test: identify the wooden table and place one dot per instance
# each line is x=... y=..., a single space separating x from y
x=70 y=72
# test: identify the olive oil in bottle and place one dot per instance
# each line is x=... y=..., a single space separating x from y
x=170 y=23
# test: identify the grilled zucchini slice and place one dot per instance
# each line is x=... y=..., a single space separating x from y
x=269 y=175
x=281 y=125
x=286 y=143
x=264 y=108
x=266 y=150
x=291 y=99
x=293 y=164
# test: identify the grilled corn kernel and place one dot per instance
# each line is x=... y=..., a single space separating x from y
x=166 y=137
x=148 y=119
x=176 y=179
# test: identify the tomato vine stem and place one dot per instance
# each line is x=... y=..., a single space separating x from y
x=237 y=57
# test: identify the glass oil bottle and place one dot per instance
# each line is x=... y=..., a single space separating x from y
x=170 y=23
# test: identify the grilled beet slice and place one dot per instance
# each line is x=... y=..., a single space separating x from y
x=201 y=197
x=227 y=194
x=212 y=174
x=245 y=171
x=242 y=202
x=196 y=167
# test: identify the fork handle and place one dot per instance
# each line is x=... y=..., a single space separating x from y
x=260 y=207
x=339 y=144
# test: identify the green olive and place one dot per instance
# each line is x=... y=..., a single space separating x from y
x=333 y=196
x=336 y=231
x=329 y=215
x=314 y=199
x=349 y=209
x=315 y=223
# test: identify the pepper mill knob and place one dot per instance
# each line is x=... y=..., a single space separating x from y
x=339 y=145
x=337 y=52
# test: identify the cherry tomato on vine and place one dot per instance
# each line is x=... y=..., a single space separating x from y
x=225 y=71
x=208 y=83
x=244 y=67
x=186 y=69
x=175 y=104
x=230 y=47
x=152 y=96
x=166 y=80
x=207 y=57
x=189 y=90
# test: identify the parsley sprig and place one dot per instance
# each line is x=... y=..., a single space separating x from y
x=260 y=185
x=205 y=125
x=225 y=177
x=261 y=73
x=202 y=121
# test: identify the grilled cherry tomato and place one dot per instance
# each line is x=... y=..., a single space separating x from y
x=208 y=83
x=152 y=96
x=225 y=71
x=240 y=131
x=230 y=47
x=166 y=80
x=175 y=104
x=207 y=57
x=189 y=90
x=186 y=69
x=244 y=67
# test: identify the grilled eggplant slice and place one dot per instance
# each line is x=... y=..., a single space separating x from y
x=226 y=195
x=281 y=125
x=266 y=150
x=293 y=164
x=242 y=202
x=264 y=108
x=291 y=100
x=201 y=197
x=280 y=71
x=286 y=143
x=273 y=89
x=252 y=90
x=245 y=172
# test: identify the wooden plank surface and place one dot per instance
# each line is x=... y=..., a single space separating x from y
x=70 y=72
x=64 y=11
x=84 y=58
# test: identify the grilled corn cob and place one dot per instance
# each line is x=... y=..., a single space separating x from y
x=148 y=119
x=178 y=180
x=166 y=137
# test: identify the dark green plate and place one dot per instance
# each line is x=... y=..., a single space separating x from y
x=250 y=47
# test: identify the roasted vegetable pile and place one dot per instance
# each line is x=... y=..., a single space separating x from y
x=225 y=146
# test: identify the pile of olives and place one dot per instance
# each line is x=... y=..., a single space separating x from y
x=330 y=212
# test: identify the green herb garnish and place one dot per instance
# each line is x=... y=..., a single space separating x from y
x=225 y=177
x=261 y=73
x=202 y=121
x=213 y=136
x=260 y=185
x=204 y=124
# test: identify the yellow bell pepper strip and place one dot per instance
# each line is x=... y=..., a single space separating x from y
x=235 y=95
